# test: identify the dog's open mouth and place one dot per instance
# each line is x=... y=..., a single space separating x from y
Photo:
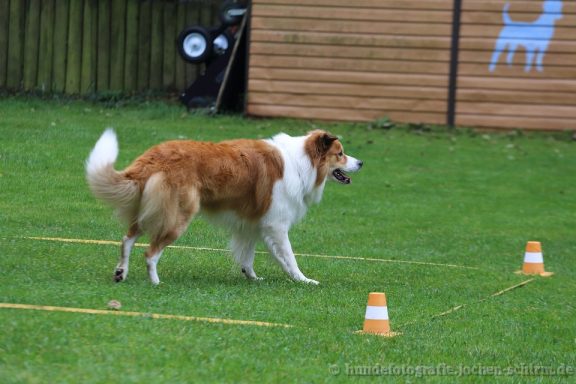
x=340 y=176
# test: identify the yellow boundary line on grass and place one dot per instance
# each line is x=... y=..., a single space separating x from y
x=354 y=258
x=143 y=314
x=231 y=321
x=458 y=307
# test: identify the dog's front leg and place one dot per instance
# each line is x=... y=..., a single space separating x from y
x=279 y=246
x=529 y=59
x=500 y=47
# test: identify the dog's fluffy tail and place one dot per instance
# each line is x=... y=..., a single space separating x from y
x=109 y=185
x=506 y=16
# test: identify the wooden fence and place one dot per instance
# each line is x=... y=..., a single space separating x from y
x=86 y=46
x=422 y=61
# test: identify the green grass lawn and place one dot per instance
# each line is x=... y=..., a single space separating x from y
x=440 y=197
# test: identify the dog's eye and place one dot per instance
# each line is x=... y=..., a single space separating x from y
x=340 y=154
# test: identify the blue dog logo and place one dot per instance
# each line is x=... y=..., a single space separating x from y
x=534 y=36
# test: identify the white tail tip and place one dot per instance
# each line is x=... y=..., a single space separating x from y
x=104 y=152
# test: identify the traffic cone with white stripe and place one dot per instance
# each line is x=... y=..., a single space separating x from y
x=376 y=319
x=534 y=261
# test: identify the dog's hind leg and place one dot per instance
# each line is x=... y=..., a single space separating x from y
x=279 y=246
x=128 y=241
x=153 y=254
x=243 y=250
x=540 y=59
x=157 y=245
x=172 y=219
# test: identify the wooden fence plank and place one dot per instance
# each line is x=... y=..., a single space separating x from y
x=514 y=110
x=340 y=26
x=337 y=101
x=492 y=31
x=15 y=45
x=74 y=51
x=517 y=70
x=156 y=48
x=514 y=96
x=353 y=77
x=60 y=47
x=372 y=4
x=117 y=45
x=4 y=24
x=353 y=39
x=179 y=65
x=144 y=36
x=31 y=41
x=169 y=48
x=46 y=46
x=348 y=52
x=551 y=60
x=520 y=84
x=317 y=88
x=103 y=63
x=495 y=18
x=131 y=50
x=517 y=6
x=487 y=45
x=352 y=12
x=89 y=47
x=518 y=122
x=340 y=114
x=349 y=65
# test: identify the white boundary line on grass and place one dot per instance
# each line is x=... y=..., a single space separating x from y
x=143 y=314
x=354 y=258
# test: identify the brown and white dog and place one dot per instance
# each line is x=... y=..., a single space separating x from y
x=257 y=189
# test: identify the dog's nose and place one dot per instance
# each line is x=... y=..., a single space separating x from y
x=360 y=164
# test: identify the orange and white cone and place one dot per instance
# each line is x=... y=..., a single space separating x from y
x=376 y=319
x=534 y=261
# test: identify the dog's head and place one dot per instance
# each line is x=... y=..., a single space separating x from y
x=553 y=7
x=327 y=155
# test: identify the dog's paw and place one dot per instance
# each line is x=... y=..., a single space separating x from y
x=254 y=278
x=251 y=275
x=310 y=281
x=119 y=275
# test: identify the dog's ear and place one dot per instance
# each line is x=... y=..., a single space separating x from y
x=324 y=142
x=317 y=145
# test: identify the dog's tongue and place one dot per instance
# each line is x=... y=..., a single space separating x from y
x=341 y=177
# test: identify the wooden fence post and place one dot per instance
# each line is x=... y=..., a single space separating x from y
x=455 y=48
